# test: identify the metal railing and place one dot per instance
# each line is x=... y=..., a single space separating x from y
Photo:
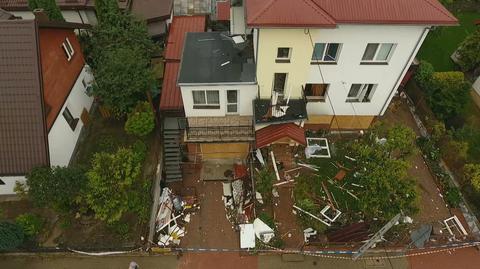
x=221 y=133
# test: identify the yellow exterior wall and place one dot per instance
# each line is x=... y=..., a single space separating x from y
x=351 y=122
x=269 y=41
x=224 y=150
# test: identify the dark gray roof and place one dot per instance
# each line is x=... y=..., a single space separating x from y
x=214 y=58
x=22 y=128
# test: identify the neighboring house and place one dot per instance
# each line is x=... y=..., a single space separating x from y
x=218 y=85
x=333 y=64
x=77 y=11
x=193 y=7
x=157 y=14
x=43 y=99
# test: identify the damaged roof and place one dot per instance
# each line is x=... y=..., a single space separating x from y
x=328 y=13
x=23 y=135
x=214 y=57
x=275 y=132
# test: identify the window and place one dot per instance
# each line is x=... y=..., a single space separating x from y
x=279 y=83
x=361 y=93
x=232 y=101
x=326 y=52
x=378 y=53
x=316 y=92
x=206 y=100
x=68 y=49
x=70 y=119
x=283 y=55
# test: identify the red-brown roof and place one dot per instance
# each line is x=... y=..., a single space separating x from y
x=23 y=136
x=56 y=88
x=179 y=27
x=272 y=133
x=327 y=13
x=152 y=10
x=223 y=10
x=171 y=98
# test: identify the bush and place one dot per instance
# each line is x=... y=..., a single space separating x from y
x=449 y=95
x=453 y=197
x=141 y=121
x=32 y=224
x=472 y=174
x=424 y=75
x=264 y=184
x=11 y=236
x=469 y=52
x=58 y=187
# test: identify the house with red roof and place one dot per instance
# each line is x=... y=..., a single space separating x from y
x=332 y=64
x=43 y=96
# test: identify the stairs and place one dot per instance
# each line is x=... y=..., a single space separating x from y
x=172 y=153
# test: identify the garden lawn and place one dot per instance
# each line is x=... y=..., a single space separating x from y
x=443 y=41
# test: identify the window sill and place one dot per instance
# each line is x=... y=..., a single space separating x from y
x=373 y=63
x=282 y=61
x=315 y=99
x=323 y=63
x=206 y=107
x=357 y=101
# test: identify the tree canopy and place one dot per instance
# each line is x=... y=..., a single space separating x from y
x=50 y=7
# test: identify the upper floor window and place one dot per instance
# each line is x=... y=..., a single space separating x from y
x=326 y=52
x=316 y=92
x=72 y=122
x=68 y=49
x=283 y=55
x=361 y=93
x=206 y=99
x=378 y=53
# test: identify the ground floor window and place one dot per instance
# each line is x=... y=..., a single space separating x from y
x=232 y=101
x=206 y=99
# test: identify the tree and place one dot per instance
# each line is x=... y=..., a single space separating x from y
x=141 y=121
x=50 y=7
x=58 y=187
x=469 y=52
x=106 y=10
x=264 y=184
x=449 y=95
x=472 y=174
x=111 y=183
x=401 y=139
x=11 y=236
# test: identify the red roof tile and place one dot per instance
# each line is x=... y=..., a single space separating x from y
x=282 y=13
x=223 y=10
x=272 y=133
x=171 y=98
x=179 y=27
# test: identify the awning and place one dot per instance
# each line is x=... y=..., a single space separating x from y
x=273 y=133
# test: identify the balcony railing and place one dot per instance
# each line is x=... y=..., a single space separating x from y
x=220 y=133
x=295 y=110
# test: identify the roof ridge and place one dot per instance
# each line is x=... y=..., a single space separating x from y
x=330 y=17
x=265 y=9
x=441 y=10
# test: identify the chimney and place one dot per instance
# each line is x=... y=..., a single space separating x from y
x=40 y=15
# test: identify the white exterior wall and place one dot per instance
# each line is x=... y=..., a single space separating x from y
x=10 y=181
x=246 y=95
x=476 y=86
x=80 y=16
x=347 y=71
x=61 y=138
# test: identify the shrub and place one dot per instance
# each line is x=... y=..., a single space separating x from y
x=469 y=52
x=401 y=139
x=58 y=187
x=424 y=75
x=32 y=224
x=141 y=121
x=453 y=197
x=264 y=184
x=449 y=95
x=11 y=236
x=455 y=152
x=472 y=174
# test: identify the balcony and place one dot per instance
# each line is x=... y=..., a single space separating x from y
x=220 y=129
x=296 y=110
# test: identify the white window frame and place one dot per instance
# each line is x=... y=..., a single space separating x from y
x=206 y=104
x=68 y=48
x=284 y=58
x=228 y=103
x=361 y=93
x=325 y=48
x=375 y=60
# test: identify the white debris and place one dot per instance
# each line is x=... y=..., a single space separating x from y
x=263 y=231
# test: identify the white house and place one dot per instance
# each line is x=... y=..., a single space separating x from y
x=43 y=97
x=343 y=60
x=218 y=87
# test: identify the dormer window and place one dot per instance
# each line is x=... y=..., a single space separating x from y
x=68 y=49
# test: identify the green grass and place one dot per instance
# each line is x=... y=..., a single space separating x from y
x=442 y=42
